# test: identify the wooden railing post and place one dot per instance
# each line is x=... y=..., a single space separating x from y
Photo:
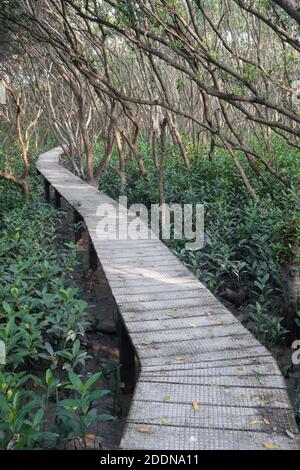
x=127 y=357
x=47 y=190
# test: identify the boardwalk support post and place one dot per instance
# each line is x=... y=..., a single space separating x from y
x=77 y=220
x=127 y=357
x=57 y=201
x=93 y=259
x=47 y=190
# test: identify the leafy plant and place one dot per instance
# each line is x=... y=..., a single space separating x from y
x=268 y=328
x=76 y=414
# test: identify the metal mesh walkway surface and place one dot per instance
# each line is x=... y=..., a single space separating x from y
x=204 y=381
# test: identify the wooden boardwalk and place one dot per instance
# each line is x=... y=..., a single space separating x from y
x=204 y=381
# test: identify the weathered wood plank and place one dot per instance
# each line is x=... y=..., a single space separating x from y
x=204 y=371
x=168 y=323
x=245 y=379
x=168 y=305
x=213 y=395
x=213 y=417
x=203 y=310
x=211 y=358
x=192 y=347
x=152 y=282
x=153 y=289
x=189 y=333
x=173 y=294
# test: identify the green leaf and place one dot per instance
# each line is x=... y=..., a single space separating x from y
x=92 y=380
x=96 y=394
x=105 y=417
x=64 y=294
x=70 y=403
x=49 y=377
x=7 y=308
x=75 y=380
x=38 y=417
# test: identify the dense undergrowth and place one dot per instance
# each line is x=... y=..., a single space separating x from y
x=245 y=243
x=44 y=403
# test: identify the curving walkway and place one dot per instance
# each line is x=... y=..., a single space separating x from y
x=205 y=382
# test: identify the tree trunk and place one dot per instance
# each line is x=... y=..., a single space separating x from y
x=122 y=162
x=161 y=186
x=108 y=151
x=291 y=290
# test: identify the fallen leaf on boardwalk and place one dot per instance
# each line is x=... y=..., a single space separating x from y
x=170 y=314
x=290 y=434
x=254 y=421
x=149 y=345
x=195 y=405
x=270 y=445
x=144 y=429
x=266 y=421
x=208 y=313
x=193 y=325
x=165 y=422
x=260 y=377
x=180 y=359
x=166 y=398
x=221 y=322
x=147 y=341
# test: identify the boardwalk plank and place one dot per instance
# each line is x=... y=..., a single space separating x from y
x=154 y=392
